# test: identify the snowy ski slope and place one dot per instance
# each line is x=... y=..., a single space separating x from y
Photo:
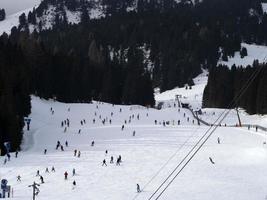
x=148 y=157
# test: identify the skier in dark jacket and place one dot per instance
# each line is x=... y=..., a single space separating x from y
x=42 y=179
x=73 y=172
x=66 y=175
x=104 y=163
x=138 y=188
x=211 y=160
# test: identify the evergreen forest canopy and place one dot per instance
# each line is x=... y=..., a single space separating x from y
x=119 y=58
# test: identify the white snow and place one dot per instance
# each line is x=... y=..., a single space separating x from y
x=73 y=17
x=255 y=52
x=264 y=7
x=192 y=96
x=14 y=6
x=148 y=158
x=11 y=21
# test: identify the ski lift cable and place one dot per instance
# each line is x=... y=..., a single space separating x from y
x=167 y=162
x=175 y=155
x=214 y=126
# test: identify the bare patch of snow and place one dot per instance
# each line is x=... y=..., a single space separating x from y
x=264 y=7
x=255 y=52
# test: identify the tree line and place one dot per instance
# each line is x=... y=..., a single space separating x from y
x=225 y=85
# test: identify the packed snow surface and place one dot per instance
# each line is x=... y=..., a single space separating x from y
x=148 y=157
x=255 y=52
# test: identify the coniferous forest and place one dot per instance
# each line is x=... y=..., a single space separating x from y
x=225 y=84
x=122 y=57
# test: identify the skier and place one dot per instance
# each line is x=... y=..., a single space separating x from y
x=42 y=179
x=75 y=152
x=79 y=131
x=38 y=173
x=46 y=170
x=53 y=169
x=94 y=121
x=79 y=154
x=16 y=154
x=179 y=122
x=118 y=161
x=73 y=172
x=62 y=148
x=133 y=133
x=58 y=145
x=211 y=160
x=73 y=184
x=104 y=163
x=66 y=143
x=45 y=151
x=92 y=143
x=156 y=122
x=122 y=127
x=19 y=178
x=138 y=188
x=5 y=161
x=218 y=140
x=66 y=175
x=106 y=152
x=111 y=159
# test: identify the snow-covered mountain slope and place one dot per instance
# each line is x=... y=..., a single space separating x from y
x=14 y=6
x=192 y=96
x=255 y=52
x=147 y=158
x=11 y=21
